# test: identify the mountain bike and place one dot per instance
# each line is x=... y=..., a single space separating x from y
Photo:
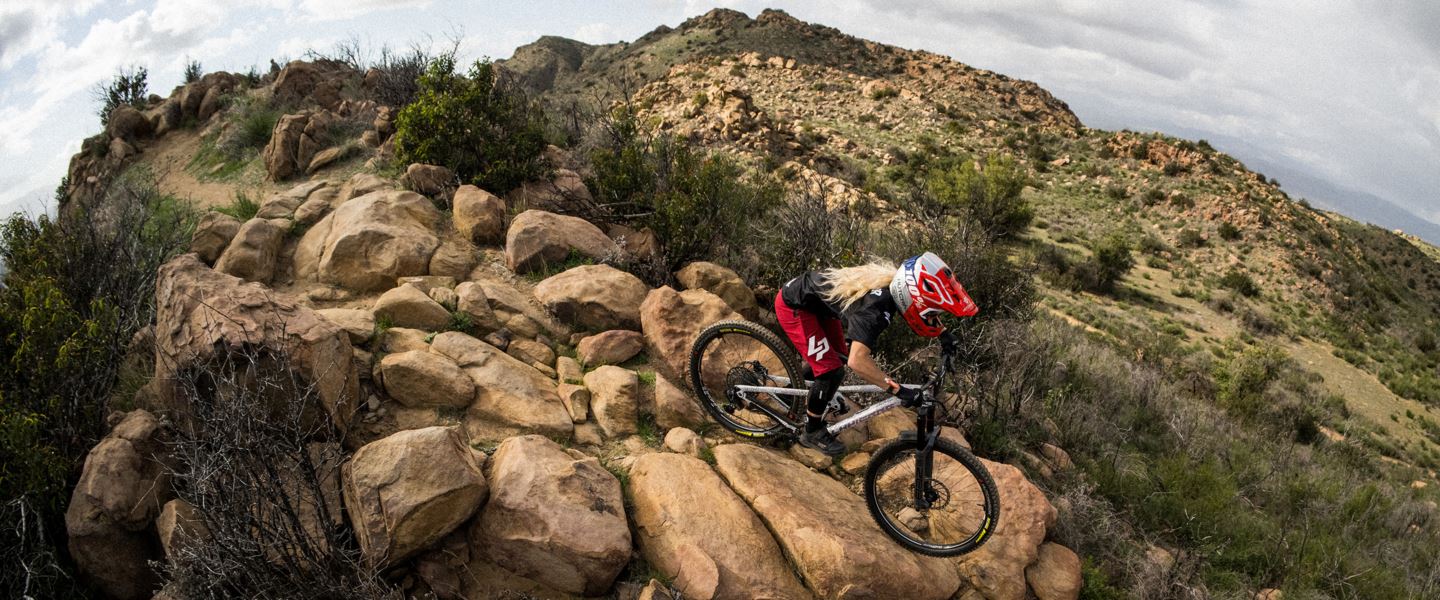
x=927 y=493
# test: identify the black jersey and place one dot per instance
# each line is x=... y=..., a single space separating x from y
x=863 y=322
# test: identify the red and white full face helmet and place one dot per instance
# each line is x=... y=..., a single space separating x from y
x=923 y=287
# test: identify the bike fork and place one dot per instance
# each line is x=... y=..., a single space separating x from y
x=924 y=459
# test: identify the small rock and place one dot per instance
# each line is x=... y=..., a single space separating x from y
x=810 y=457
x=576 y=400
x=855 y=463
x=684 y=441
x=611 y=347
x=409 y=306
x=568 y=370
x=529 y=351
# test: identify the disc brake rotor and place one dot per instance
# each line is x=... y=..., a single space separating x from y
x=748 y=373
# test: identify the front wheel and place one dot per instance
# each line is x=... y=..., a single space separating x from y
x=951 y=511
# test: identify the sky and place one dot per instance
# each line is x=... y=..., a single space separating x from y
x=1344 y=92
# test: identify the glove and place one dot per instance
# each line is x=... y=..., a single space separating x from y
x=909 y=397
x=949 y=343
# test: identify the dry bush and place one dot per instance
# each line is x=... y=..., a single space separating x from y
x=260 y=462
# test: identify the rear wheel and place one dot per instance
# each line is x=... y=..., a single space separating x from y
x=952 y=511
x=731 y=353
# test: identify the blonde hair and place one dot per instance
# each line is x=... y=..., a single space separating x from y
x=845 y=287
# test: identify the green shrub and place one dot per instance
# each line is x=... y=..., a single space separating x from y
x=127 y=86
x=1154 y=196
x=1151 y=244
x=193 y=71
x=1229 y=232
x=76 y=291
x=1191 y=238
x=1112 y=260
x=241 y=207
x=1242 y=382
x=883 y=93
x=479 y=125
x=1241 y=282
x=1173 y=168
x=991 y=198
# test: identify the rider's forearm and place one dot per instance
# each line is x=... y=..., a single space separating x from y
x=864 y=367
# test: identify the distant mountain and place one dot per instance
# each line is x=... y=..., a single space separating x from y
x=1355 y=204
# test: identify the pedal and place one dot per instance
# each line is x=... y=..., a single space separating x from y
x=836 y=408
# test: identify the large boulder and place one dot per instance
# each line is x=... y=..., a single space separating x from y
x=479 y=215
x=555 y=517
x=284 y=153
x=428 y=179
x=251 y=255
x=180 y=526
x=564 y=192
x=720 y=281
x=721 y=552
x=454 y=258
x=406 y=491
x=537 y=239
x=827 y=532
x=614 y=398
x=672 y=320
x=358 y=323
x=122 y=488
x=511 y=397
x=213 y=234
x=507 y=301
x=369 y=241
x=611 y=347
x=1055 y=575
x=202 y=315
x=127 y=123
x=421 y=378
x=594 y=297
x=282 y=205
x=674 y=406
x=470 y=299
x=997 y=569
x=409 y=306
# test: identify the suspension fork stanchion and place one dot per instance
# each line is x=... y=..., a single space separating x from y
x=924 y=459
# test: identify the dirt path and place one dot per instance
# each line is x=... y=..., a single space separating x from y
x=1364 y=395
x=168 y=158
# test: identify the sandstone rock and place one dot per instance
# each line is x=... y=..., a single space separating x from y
x=406 y=491
x=1057 y=457
x=997 y=569
x=611 y=347
x=444 y=296
x=404 y=339
x=672 y=320
x=855 y=463
x=568 y=371
x=283 y=154
x=504 y=297
x=369 y=241
x=325 y=158
x=471 y=300
x=720 y=281
x=537 y=238
x=316 y=206
x=1269 y=594
x=826 y=531
x=251 y=255
x=426 y=379
x=553 y=517
x=179 y=526
x=641 y=245
x=127 y=123
x=479 y=215
x=721 y=552
x=1055 y=575
x=530 y=351
x=576 y=400
x=512 y=397
x=428 y=179
x=358 y=323
x=675 y=407
x=613 y=399
x=212 y=235
x=201 y=315
x=408 y=306
x=363 y=184
x=595 y=297
x=454 y=258
x=122 y=488
x=683 y=441
x=283 y=204
x=810 y=457
x=523 y=326
x=565 y=192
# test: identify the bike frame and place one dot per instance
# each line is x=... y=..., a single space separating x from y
x=865 y=415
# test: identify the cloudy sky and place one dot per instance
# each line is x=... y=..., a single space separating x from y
x=1342 y=91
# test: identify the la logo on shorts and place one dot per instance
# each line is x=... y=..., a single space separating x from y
x=818 y=347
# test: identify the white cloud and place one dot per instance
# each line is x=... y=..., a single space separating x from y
x=332 y=10
x=597 y=33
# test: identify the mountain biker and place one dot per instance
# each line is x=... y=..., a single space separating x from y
x=821 y=310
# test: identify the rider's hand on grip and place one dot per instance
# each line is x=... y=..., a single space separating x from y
x=909 y=397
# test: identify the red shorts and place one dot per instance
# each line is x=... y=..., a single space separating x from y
x=821 y=340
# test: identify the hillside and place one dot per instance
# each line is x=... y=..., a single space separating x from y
x=341 y=330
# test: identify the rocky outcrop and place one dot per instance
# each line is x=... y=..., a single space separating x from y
x=127 y=123
x=430 y=180
x=122 y=488
x=479 y=215
x=538 y=239
x=997 y=569
x=202 y=315
x=723 y=551
x=611 y=347
x=406 y=491
x=594 y=297
x=511 y=397
x=251 y=255
x=554 y=516
x=720 y=281
x=369 y=241
x=565 y=192
x=426 y=379
x=825 y=530
x=613 y=399
x=358 y=323
x=212 y=235
x=675 y=407
x=1055 y=574
x=408 y=306
x=672 y=320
